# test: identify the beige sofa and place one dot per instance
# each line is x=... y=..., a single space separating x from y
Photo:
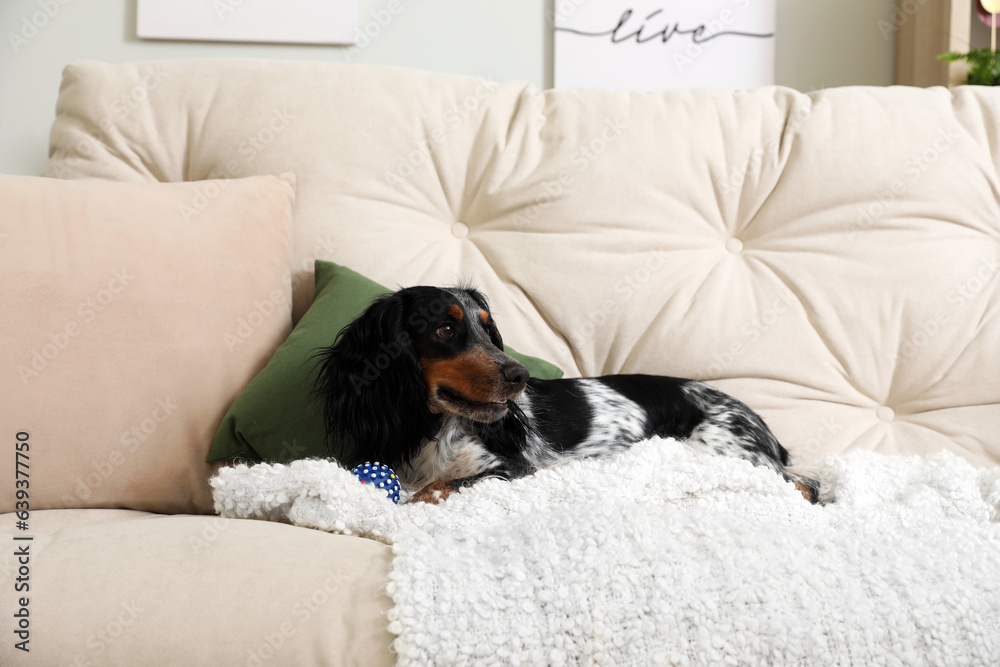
x=829 y=258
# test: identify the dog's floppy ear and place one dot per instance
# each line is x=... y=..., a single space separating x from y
x=372 y=387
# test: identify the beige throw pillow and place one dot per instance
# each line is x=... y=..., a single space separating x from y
x=131 y=316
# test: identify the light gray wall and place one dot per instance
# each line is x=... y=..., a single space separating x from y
x=820 y=44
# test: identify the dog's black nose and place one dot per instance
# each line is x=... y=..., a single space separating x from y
x=515 y=373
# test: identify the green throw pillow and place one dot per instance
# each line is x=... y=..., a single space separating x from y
x=276 y=419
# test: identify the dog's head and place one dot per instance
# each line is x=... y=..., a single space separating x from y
x=460 y=352
x=411 y=357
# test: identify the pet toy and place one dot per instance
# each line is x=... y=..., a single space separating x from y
x=381 y=476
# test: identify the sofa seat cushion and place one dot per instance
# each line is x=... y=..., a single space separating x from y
x=198 y=590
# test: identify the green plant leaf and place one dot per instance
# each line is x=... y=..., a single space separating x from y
x=984 y=65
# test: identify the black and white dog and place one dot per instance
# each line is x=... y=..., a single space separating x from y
x=420 y=382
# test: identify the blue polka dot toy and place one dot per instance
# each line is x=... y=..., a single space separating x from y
x=381 y=476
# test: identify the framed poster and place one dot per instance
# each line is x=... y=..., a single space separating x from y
x=662 y=44
x=287 y=21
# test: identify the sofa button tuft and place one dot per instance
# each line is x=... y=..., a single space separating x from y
x=734 y=245
x=460 y=230
x=885 y=413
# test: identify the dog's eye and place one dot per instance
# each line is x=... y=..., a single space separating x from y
x=446 y=331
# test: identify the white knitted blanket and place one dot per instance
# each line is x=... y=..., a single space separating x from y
x=660 y=555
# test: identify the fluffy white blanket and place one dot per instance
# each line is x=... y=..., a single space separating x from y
x=660 y=555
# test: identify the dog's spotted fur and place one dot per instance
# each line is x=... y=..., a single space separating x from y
x=449 y=406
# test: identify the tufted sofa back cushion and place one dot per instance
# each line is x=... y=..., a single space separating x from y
x=830 y=258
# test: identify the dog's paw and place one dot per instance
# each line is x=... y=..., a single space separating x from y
x=809 y=491
x=434 y=492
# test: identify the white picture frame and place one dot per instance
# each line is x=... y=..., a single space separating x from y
x=649 y=45
x=270 y=21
